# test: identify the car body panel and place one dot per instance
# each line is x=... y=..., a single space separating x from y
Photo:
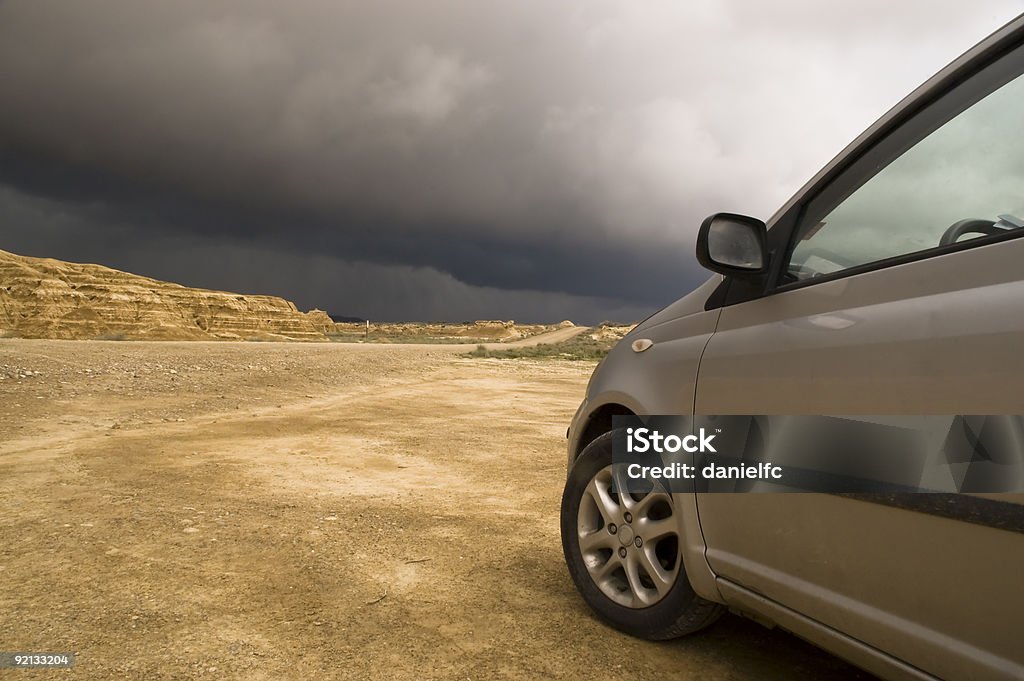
x=937 y=336
x=872 y=659
x=678 y=333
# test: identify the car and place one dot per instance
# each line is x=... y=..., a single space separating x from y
x=892 y=283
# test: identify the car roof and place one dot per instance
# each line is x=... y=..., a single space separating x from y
x=995 y=45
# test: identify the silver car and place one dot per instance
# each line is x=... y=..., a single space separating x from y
x=891 y=284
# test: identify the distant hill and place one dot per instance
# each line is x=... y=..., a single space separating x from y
x=46 y=298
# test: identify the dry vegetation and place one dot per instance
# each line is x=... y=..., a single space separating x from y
x=484 y=331
x=590 y=345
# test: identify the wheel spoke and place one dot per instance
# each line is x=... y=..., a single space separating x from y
x=602 y=499
x=605 y=571
x=641 y=507
x=622 y=486
x=597 y=540
x=662 y=578
x=655 y=529
x=632 y=568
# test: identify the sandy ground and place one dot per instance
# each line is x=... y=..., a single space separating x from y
x=292 y=511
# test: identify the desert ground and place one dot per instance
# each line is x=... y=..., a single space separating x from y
x=310 y=511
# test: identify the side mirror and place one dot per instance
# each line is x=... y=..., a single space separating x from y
x=733 y=245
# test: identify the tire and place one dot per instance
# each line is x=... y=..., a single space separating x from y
x=629 y=571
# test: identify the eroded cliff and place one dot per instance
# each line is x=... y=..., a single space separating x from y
x=45 y=298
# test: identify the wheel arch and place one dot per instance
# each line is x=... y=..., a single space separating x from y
x=598 y=423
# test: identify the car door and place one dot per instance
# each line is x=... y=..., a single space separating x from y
x=867 y=314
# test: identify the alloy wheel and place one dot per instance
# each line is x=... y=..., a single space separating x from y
x=629 y=540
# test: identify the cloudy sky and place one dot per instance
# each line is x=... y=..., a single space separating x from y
x=437 y=159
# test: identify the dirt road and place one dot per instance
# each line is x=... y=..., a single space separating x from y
x=556 y=336
x=289 y=511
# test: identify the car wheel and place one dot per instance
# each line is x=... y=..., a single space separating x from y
x=623 y=550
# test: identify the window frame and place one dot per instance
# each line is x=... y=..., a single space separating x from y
x=979 y=72
x=985 y=80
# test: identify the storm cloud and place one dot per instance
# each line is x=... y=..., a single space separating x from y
x=445 y=159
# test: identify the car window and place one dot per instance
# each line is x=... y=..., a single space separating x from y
x=965 y=180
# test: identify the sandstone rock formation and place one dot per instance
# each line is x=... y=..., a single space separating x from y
x=45 y=298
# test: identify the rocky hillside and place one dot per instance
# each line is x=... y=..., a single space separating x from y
x=411 y=332
x=45 y=298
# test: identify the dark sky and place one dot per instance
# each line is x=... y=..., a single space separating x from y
x=450 y=159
